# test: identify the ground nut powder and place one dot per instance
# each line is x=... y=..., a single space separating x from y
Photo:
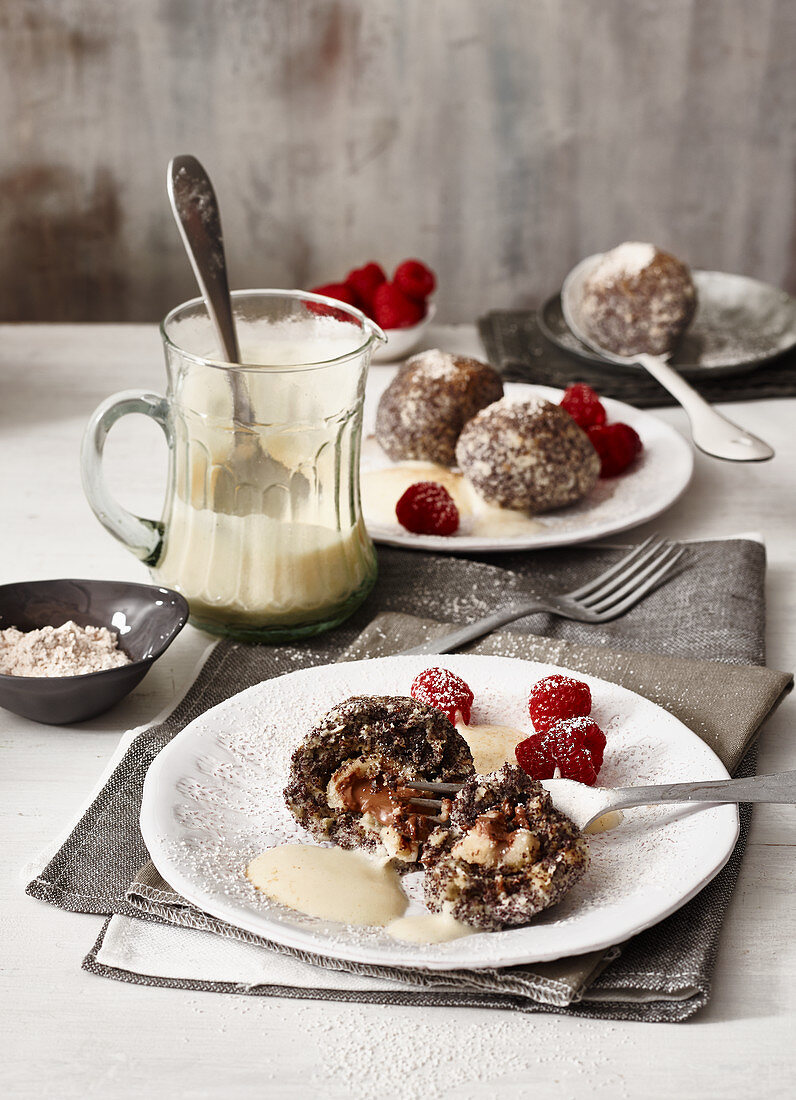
x=68 y=650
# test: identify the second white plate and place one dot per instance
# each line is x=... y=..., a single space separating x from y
x=615 y=504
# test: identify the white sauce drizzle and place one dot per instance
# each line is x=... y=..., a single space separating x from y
x=490 y=745
x=428 y=928
x=383 y=488
x=330 y=883
x=605 y=823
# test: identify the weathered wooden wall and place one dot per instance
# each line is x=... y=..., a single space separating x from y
x=501 y=140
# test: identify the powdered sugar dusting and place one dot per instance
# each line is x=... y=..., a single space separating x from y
x=530 y=403
x=213 y=801
x=624 y=261
x=439 y=364
x=371 y=1053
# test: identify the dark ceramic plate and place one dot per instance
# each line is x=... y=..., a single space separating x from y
x=146 y=618
x=740 y=323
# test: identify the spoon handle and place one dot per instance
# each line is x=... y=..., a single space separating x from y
x=196 y=212
x=756 y=788
x=712 y=433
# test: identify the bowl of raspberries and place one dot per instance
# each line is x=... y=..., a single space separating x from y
x=399 y=305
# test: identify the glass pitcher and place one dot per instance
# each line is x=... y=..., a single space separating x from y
x=262 y=527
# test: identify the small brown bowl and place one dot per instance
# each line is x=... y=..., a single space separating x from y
x=146 y=619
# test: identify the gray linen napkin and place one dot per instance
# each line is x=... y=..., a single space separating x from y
x=516 y=347
x=724 y=704
x=713 y=607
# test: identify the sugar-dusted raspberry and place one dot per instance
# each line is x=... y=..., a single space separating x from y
x=587 y=728
x=427 y=508
x=574 y=745
x=533 y=757
x=393 y=309
x=415 y=279
x=557 y=697
x=617 y=445
x=364 y=282
x=444 y=690
x=539 y=756
x=574 y=761
x=583 y=405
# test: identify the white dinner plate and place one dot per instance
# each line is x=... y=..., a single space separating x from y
x=213 y=801
x=657 y=480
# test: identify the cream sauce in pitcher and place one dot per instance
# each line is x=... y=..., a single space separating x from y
x=262 y=527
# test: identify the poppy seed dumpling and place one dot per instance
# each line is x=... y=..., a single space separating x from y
x=638 y=299
x=425 y=407
x=528 y=455
x=505 y=854
x=386 y=739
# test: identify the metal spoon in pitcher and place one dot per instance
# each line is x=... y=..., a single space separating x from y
x=196 y=212
x=712 y=433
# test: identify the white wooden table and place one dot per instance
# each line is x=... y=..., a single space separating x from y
x=71 y=1034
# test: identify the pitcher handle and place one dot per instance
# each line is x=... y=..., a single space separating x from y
x=143 y=537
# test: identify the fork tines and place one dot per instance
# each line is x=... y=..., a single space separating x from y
x=435 y=788
x=618 y=588
x=434 y=804
x=447 y=790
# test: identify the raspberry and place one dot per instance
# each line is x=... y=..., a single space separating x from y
x=593 y=736
x=539 y=756
x=392 y=308
x=575 y=762
x=415 y=279
x=575 y=746
x=617 y=445
x=583 y=405
x=427 y=508
x=340 y=291
x=557 y=697
x=333 y=290
x=444 y=690
x=363 y=282
x=533 y=757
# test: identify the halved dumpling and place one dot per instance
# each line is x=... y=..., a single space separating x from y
x=347 y=776
x=505 y=854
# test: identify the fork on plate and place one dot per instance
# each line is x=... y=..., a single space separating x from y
x=585 y=805
x=601 y=599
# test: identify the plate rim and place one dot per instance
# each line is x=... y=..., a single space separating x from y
x=584 y=354
x=472 y=543
x=303 y=940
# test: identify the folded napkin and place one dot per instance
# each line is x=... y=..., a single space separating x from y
x=712 y=607
x=516 y=347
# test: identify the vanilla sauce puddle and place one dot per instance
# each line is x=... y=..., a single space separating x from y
x=330 y=883
x=383 y=488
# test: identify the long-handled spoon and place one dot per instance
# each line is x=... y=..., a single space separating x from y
x=193 y=201
x=712 y=433
x=196 y=212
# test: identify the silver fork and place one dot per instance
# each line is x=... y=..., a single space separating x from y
x=605 y=597
x=586 y=804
